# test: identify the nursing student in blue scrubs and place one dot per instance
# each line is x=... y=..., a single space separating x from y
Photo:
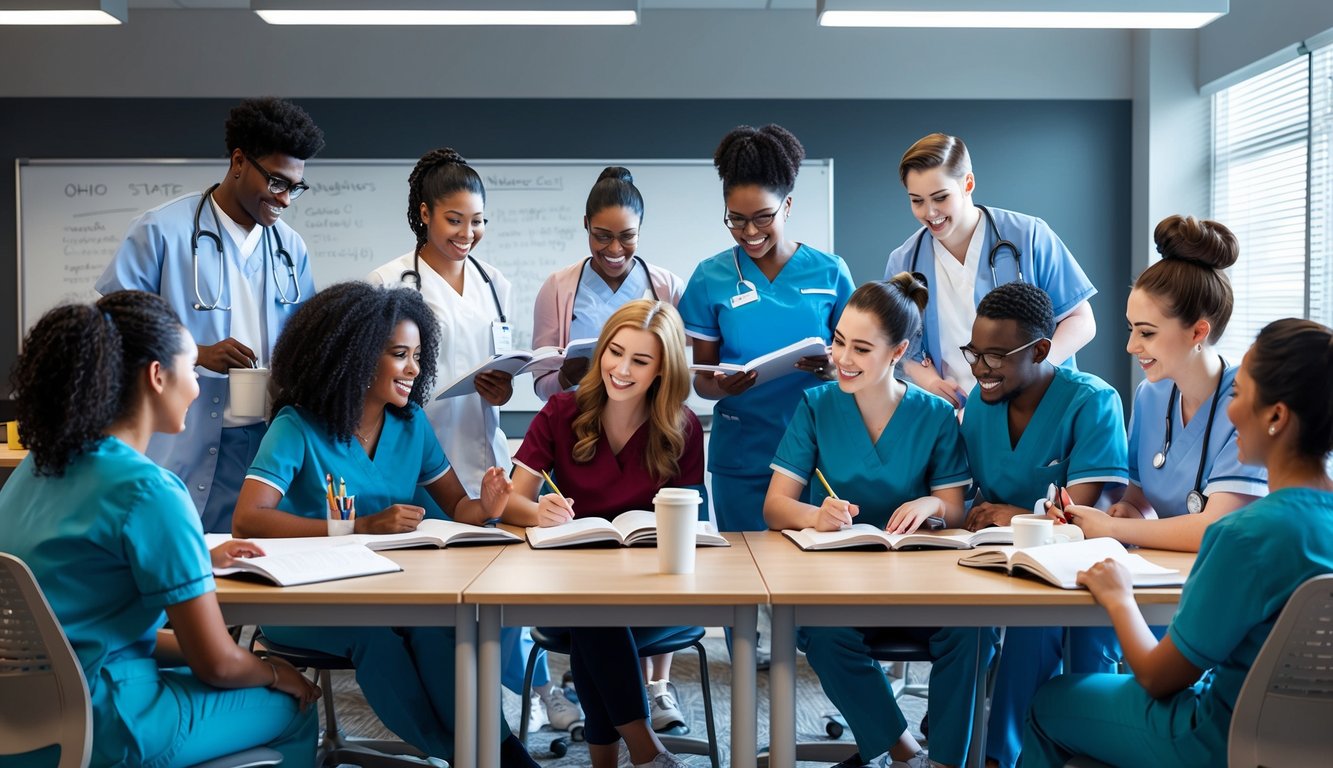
x=965 y=250
x=251 y=273
x=1176 y=709
x=1031 y=424
x=116 y=546
x=893 y=454
x=762 y=294
x=1184 y=468
x=347 y=398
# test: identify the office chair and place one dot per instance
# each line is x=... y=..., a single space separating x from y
x=687 y=637
x=44 y=699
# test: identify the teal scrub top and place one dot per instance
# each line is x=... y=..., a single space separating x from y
x=112 y=542
x=298 y=451
x=1250 y=563
x=1076 y=435
x=805 y=299
x=920 y=451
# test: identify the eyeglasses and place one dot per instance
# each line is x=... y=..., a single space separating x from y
x=627 y=239
x=276 y=184
x=760 y=220
x=993 y=359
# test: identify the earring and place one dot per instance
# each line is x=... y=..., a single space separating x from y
x=1272 y=430
x=236 y=175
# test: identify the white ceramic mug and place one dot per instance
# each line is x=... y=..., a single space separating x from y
x=1039 y=530
x=341 y=527
x=249 y=392
x=677 y=513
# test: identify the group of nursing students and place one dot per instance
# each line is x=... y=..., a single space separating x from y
x=133 y=455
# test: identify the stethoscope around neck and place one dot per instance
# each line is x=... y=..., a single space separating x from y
x=1195 y=500
x=280 y=253
x=638 y=259
x=413 y=275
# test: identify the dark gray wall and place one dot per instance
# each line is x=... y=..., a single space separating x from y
x=1066 y=161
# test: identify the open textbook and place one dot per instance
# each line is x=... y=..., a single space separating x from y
x=1059 y=564
x=865 y=535
x=429 y=533
x=580 y=348
x=514 y=363
x=775 y=364
x=307 y=566
x=628 y=529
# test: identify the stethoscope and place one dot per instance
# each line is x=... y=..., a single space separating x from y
x=637 y=259
x=1000 y=243
x=414 y=275
x=280 y=253
x=1194 y=500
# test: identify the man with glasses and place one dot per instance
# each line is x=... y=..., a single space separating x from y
x=1030 y=425
x=233 y=272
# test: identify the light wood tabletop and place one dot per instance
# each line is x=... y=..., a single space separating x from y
x=10 y=457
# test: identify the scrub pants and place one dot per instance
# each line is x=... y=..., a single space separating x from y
x=1111 y=718
x=605 y=663
x=515 y=645
x=406 y=674
x=856 y=684
x=1032 y=655
x=235 y=453
x=738 y=500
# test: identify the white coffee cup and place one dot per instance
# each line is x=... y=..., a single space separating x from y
x=341 y=527
x=677 y=513
x=1039 y=530
x=249 y=392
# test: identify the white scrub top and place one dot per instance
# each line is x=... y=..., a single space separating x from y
x=954 y=290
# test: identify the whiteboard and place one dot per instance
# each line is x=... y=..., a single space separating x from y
x=73 y=215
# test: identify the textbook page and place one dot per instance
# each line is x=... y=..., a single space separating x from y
x=314 y=565
x=775 y=364
x=1059 y=564
x=513 y=363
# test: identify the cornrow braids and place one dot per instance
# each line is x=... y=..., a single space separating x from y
x=1023 y=303
x=439 y=172
x=769 y=157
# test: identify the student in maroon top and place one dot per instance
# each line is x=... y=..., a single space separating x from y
x=611 y=444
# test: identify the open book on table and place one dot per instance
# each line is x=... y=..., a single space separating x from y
x=633 y=528
x=864 y=535
x=1059 y=564
x=514 y=363
x=289 y=567
x=775 y=364
x=429 y=533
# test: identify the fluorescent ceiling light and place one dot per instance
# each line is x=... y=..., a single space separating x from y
x=63 y=12
x=1022 y=14
x=455 y=12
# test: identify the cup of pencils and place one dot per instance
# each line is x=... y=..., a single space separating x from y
x=342 y=508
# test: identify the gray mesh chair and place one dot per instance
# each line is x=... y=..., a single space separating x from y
x=44 y=697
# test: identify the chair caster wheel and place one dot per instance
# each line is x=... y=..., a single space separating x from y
x=559 y=746
x=833 y=728
x=576 y=732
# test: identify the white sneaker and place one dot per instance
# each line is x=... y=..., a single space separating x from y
x=536 y=712
x=662 y=707
x=919 y=760
x=665 y=760
x=560 y=711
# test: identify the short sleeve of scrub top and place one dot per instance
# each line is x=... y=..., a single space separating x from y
x=165 y=548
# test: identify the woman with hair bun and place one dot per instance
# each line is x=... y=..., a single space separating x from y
x=898 y=453
x=1183 y=461
x=764 y=293
x=116 y=544
x=1176 y=709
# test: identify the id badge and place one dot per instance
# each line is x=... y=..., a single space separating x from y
x=502 y=337
x=741 y=299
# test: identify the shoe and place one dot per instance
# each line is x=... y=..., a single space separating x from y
x=762 y=659
x=665 y=760
x=560 y=712
x=536 y=712
x=854 y=761
x=919 y=760
x=662 y=706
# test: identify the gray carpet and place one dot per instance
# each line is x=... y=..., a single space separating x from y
x=359 y=721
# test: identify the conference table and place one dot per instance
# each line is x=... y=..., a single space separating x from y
x=10 y=457
x=427 y=592
x=619 y=587
x=925 y=588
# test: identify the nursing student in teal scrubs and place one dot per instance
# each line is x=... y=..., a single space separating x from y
x=347 y=397
x=116 y=545
x=762 y=294
x=1184 y=469
x=1031 y=424
x=894 y=456
x=1176 y=709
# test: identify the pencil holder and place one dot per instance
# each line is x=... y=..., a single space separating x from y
x=340 y=527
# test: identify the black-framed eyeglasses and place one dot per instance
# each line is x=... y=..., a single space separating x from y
x=760 y=220
x=276 y=184
x=993 y=359
x=627 y=239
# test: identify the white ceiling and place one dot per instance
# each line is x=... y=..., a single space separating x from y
x=719 y=5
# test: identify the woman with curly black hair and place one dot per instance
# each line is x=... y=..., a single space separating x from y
x=349 y=378
x=115 y=543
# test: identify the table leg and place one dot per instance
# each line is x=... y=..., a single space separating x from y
x=744 y=708
x=488 y=687
x=465 y=686
x=782 y=690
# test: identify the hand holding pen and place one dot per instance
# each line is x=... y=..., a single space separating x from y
x=553 y=508
x=834 y=514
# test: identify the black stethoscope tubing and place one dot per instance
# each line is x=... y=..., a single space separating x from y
x=281 y=253
x=414 y=274
x=1000 y=243
x=579 y=283
x=1195 y=500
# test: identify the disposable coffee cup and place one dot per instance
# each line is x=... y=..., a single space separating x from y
x=677 y=512
x=249 y=392
x=1040 y=530
x=341 y=527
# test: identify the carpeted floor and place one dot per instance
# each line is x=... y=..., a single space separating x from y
x=359 y=721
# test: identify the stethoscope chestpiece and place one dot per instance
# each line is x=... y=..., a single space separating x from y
x=1159 y=459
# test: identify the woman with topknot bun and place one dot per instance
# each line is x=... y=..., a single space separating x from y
x=764 y=293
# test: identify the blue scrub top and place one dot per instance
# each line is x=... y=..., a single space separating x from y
x=298 y=451
x=1250 y=563
x=595 y=301
x=1166 y=488
x=805 y=299
x=920 y=451
x=113 y=542
x=1076 y=435
x=1046 y=262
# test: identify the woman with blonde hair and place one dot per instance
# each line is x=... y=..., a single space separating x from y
x=611 y=445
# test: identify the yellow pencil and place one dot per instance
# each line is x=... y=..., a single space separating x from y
x=824 y=483
x=551 y=483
